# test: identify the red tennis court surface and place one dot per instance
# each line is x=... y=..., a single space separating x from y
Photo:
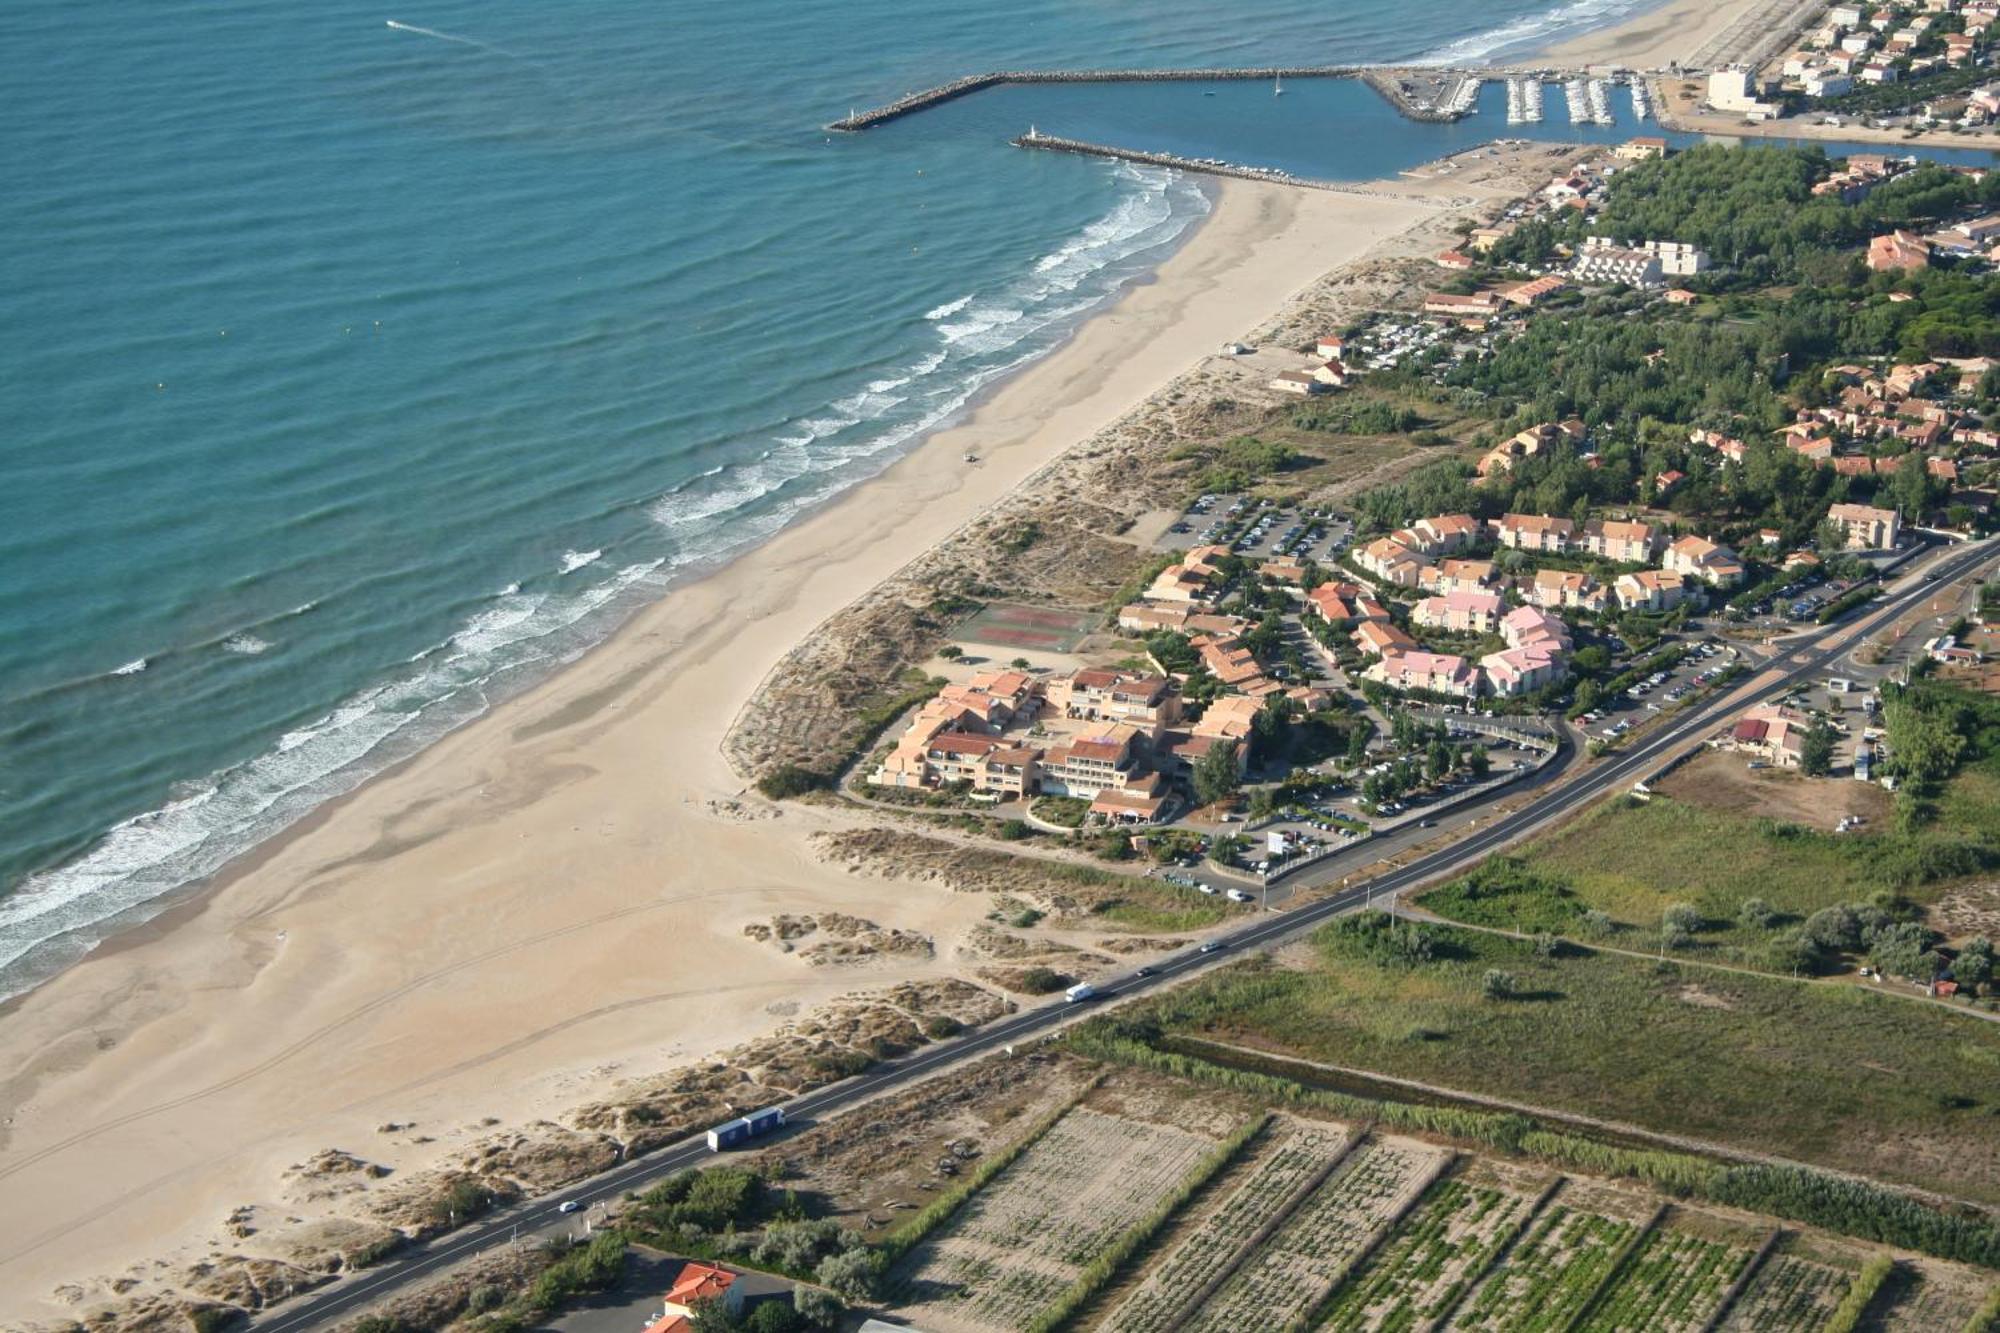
x=1009 y=625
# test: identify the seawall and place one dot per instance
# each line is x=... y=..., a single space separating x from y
x=972 y=83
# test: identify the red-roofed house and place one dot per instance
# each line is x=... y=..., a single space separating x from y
x=1611 y=539
x=697 y=1284
x=1530 y=626
x=1521 y=670
x=1391 y=561
x=1534 y=293
x=1703 y=559
x=1453 y=575
x=1558 y=588
x=1331 y=601
x=1098 y=693
x=1443 y=534
x=1377 y=637
x=1899 y=250
x=1440 y=673
x=1533 y=532
x=1467 y=611
x=1650 y=590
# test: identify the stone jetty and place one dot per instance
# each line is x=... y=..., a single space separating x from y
x=972 y=83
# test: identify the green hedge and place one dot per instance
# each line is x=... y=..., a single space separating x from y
x=1847 y=1315
x=1844 y=603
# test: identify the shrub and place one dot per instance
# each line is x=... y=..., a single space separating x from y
x=789 y=780
x=1496 y=984
x=1381 y=938
x=588 y=1268
x=821 y=1309
x=1833 y=928
x=1503 y=891
x=716 y=1198
x=1042 y=981
x=1756 y=914
x=1684 y=917
x=774 y=1317
x=851 y=1274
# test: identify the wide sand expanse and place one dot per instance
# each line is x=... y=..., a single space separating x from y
x=1672 y=31
x=553 y=897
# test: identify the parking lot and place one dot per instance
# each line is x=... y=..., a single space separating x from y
x=1259 y=530
x=1339 y=818
x=1704 y=663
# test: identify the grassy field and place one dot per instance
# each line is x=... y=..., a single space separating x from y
x=1632 y=860
x=1698 y=843
x=1829 y=1076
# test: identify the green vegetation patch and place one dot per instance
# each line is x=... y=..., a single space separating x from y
x=1838 y=1077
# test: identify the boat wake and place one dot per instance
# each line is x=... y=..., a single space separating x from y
x=452 y=37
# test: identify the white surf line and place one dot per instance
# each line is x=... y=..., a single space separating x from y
x=451 y=37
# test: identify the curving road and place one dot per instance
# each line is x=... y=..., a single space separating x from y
x=1804 y=656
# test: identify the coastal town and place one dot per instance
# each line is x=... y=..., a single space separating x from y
x=1467 y=798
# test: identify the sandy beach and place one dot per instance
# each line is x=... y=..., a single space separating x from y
x=1679 y=30
x=553 y=898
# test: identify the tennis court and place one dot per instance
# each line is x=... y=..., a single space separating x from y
x=1011 y=625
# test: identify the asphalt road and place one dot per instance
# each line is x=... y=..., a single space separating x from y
x=349 y=1296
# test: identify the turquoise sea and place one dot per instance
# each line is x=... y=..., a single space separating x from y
x=363 y=365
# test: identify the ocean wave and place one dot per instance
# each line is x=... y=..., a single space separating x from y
x=990 y=336
x=202 y=828
x=519 y=632
x=246 y=645
x=131 y=668
x=1577 y=16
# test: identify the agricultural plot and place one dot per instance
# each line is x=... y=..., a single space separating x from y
x=1674 y=1284
x=1545 y=1283
x=1443 y=1245
x=1790 y=1294
x=1290 y=1274
x=1019 y=1243
x=1926 y=1296
x=1299 y=1150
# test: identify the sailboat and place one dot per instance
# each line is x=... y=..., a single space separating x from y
x=1279 y=89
